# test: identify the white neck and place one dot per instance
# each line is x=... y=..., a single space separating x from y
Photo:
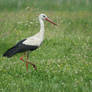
x=41 y=28
x=37 y=39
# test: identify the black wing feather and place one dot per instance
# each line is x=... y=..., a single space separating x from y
x=19 y=47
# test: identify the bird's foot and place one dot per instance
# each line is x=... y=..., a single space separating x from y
x=34 y=66
x=21 y=58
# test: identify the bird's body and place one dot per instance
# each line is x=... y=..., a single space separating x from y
x=35 y=40
x=30 y=43
x=18 y=48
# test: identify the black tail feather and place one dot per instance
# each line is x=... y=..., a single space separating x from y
x=10 y=52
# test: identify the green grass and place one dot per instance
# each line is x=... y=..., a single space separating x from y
x=64 y=61
x=54 y=5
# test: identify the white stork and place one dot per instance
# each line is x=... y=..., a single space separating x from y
x=30 y=43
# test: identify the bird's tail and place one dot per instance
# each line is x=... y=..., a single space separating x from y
x=10 y=52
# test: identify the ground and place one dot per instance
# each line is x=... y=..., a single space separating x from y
x=64 y=61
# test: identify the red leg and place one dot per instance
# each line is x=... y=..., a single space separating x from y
x=21 y=58
x=27 y=55
x=34 y=66
x=27 y=66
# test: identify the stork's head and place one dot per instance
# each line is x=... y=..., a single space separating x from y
x=44 y=17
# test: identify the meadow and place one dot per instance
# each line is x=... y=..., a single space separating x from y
x=64 y=61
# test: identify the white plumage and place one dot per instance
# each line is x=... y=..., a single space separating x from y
x=33 y=41
x=37 y=39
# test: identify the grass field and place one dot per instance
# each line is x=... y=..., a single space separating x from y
x=64 y=61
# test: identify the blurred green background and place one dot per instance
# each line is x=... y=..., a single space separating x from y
x=70 y=5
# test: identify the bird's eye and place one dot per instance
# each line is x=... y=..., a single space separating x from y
x=43 y=16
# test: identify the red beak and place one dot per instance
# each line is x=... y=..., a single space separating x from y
x=47 y=19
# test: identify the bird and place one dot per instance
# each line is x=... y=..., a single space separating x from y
x=29 y=44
